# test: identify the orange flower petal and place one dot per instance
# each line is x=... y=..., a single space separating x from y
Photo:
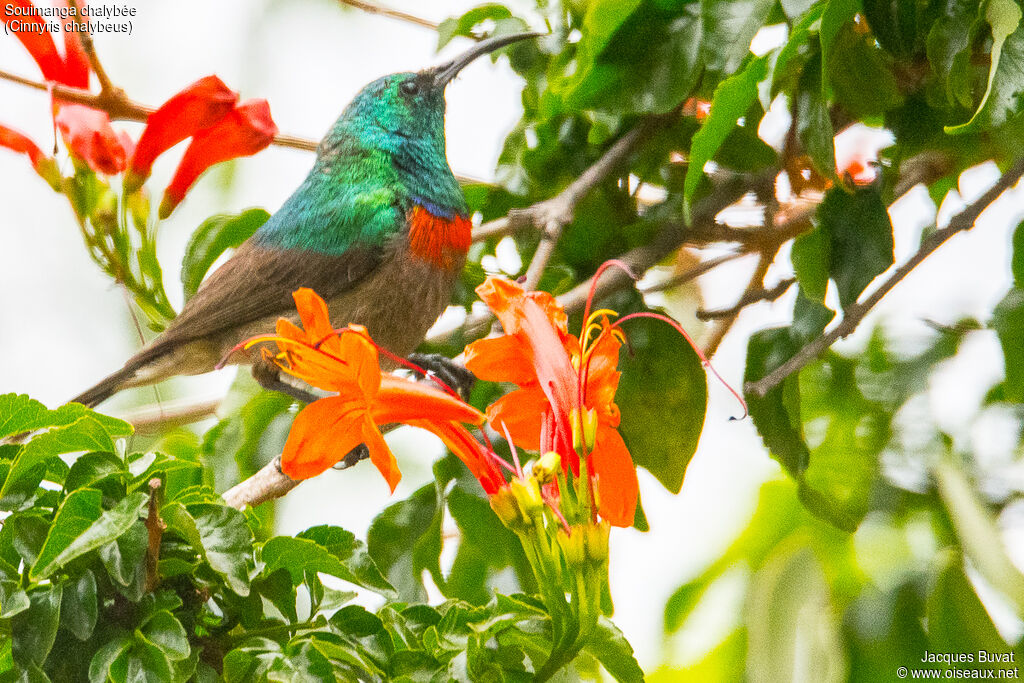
x=522 y=412
x=322 y=434
x=617 y=487
x=316 y=319
x=460 y=441
x=89 y=136
x=401 y=400
x=195 y=108
x=247 y=129
x=602 y=375
x=380 y=455
x=501 y=359
x=38 y=43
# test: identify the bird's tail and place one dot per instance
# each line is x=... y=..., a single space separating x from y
x=122 y=379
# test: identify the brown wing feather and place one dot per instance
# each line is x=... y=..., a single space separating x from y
x=257 y=283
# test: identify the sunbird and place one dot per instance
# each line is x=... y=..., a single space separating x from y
x=379 y=228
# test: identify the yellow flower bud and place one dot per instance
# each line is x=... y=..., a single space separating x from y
x=584 y=428
x=527 y=495
x=547 y=467
x=596 y=541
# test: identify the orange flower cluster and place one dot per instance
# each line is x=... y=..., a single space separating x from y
x=567 y=389
x=565 y=402
x=346 y=362
x=221 y=128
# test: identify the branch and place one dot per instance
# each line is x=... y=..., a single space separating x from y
x=154 y=419
x=106 y=87
x=755 y=284
x=552 y=215
x=267 y=484
x=155 y=531
x=390 y=13
x=751 y=297
x=856 y=312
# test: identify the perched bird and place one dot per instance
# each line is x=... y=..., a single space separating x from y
x=379 y=228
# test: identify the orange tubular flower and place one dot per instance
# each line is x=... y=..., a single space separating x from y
x=22 y=144
x=550 y=366
x=246 y=130
x=192 y=110
x=345 y=361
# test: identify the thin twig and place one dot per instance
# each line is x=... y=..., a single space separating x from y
x=855 y=313
x=155 y=419
x=752 y=297
x=155 y=529
x=692 y=273
x=390 y=13
x=106 y=87
x=552 y=215
x=267 y=484
x=756 y=283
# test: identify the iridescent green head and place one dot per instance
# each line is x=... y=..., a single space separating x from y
x=408 y=108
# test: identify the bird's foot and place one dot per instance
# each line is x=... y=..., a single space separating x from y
x=269 y=377
x=445 y=369
x=360 y=452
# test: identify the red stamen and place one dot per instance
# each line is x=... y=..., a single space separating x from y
x=700 y=354
x=621 y=265
x=512 y=447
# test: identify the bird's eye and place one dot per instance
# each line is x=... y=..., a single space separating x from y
x=410 y=87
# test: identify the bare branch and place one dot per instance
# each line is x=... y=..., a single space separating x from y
x=155 y=419
x=751 y=297
x=755 y=283
x=267 y=484
x=390 y=13
x=856 y=312
x=155 y=531
x=106 y=87
x=692 y=273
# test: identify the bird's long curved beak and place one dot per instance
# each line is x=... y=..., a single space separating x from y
x=444 y=73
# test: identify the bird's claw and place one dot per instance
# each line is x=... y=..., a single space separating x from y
x=448 y=371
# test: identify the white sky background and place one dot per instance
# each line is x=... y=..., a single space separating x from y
x=63 y=325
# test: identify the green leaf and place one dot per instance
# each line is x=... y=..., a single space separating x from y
x=19 y=413
x=633 y=57
x=614 y=652
x=729 y=26
x=79 y=607
x=849 y=432
x=212 y=238
x=86 y=537
x=405 y=538
x=34 y=630
x=1008 y=321
x=166 y=632
x=732 y=99
x=811 y=256
x=220 y=535
x=662 y=383
x=949 y=50
x=814 y=122
x=103 y=661
x=12 y=599
x=466 y=24
x=859 y=73
x=1017 y=264
x=790 y=622
x=859 y=232
x=85 y=434
x=76 y=514
x=777 y=414
x=124 y=560
x=1004 y=95
x=327 y=549
x=957 y=620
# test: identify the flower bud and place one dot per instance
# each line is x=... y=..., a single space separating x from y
x=572 y=545
x=507 y=509
x=547 y=467
x=596 y=542
x=527 y=494
x=584 y=428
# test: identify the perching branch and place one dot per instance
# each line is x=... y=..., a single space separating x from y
x=856 y=312
x=155 y=531
x=267 y=484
